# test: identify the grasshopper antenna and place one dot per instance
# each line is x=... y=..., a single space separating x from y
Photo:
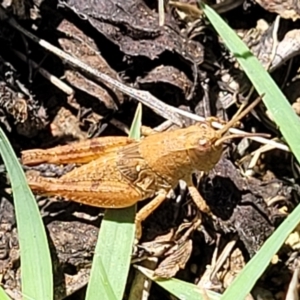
x=238 y=116
x=242 y=135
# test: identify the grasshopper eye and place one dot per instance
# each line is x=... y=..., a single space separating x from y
x=202 y=142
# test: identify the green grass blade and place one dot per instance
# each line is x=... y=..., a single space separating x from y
x=135 y=130
x=245 y=281
x=181 y=289
x=112 y=257
x=114 y=245
x=3 y=295
x=289 y=125
x=282 y=112
x=36 y=268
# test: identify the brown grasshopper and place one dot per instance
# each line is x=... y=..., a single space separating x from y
x=118 y=172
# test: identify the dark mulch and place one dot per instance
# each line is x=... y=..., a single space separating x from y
x=185 y=65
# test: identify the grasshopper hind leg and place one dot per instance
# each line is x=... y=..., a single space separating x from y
x=104 y=194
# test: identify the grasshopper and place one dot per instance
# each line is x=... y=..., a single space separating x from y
x=117 y=172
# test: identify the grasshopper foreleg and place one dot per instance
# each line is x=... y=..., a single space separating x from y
x=197 y=198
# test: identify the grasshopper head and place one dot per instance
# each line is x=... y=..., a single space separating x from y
x=203 y=151
x=205 y=147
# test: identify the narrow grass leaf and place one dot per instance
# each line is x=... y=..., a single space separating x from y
x=112 y=257
x=245 y=281
x=135 y=129
x=289 y=125
x=281 y=110
x=3 y=295
x=36 y=268
x=181 y=289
